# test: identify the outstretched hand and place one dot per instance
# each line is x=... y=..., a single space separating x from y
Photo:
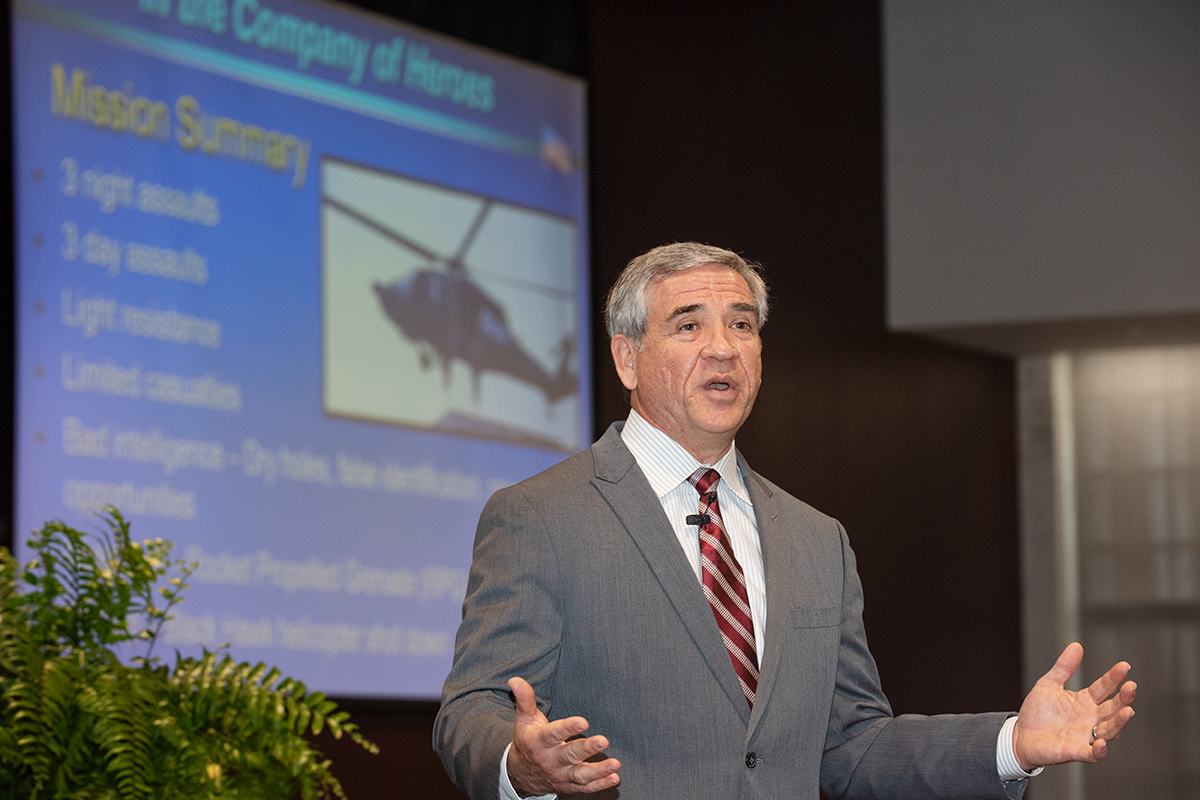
x=544 y=758
x=1055 y=725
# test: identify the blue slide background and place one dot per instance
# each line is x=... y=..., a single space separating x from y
x=354 y=590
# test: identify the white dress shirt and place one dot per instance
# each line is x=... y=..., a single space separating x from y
x=667 y=467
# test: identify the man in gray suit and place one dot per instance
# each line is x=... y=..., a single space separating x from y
x=715 y=654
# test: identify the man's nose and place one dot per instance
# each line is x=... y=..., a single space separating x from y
x=719 y=343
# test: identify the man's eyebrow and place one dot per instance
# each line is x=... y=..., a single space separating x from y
x=679 y=312
x=746 y=308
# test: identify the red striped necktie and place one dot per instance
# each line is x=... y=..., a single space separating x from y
x=725 y=585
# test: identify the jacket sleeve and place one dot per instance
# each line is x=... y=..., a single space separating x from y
x=512 y=624
x=871 y=754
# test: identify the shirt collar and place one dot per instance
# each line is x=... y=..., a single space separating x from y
x=666 y=463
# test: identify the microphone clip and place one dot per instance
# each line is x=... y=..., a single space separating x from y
x=698 y=519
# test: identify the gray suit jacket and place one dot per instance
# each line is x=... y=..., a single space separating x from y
x=579 y=585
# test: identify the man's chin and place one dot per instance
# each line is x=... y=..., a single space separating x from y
x=725 y=423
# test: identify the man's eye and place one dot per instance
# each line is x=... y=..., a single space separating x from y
x=742 y=325
x=688 y=326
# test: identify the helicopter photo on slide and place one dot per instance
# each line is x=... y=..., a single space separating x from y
x=447 y=311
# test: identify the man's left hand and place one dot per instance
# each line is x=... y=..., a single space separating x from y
x=1055 y=725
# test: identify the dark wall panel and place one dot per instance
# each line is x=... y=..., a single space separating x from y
x=405 y=766
x=760 y=130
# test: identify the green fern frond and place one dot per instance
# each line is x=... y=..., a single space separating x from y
x=121 y=706
x=265 y=716
x=77 y=723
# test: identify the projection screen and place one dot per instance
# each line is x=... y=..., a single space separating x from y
x=298 y=287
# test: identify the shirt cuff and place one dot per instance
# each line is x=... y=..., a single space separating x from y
x=507 y=792
x=1006 y=757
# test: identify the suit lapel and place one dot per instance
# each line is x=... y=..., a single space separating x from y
x=628 y=493
x=778 y=579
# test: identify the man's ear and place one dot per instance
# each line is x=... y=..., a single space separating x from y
x=624 y=355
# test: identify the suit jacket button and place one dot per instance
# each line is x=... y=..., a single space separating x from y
x=751 y=760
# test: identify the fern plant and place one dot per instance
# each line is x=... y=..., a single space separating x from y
x=77 y=722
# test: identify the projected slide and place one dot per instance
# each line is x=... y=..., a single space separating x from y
x=298 y=287
x=447 y=311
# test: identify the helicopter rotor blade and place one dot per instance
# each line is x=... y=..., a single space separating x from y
x=456 y=261
x=380 y=228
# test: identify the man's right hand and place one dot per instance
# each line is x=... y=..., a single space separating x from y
x=543 y=761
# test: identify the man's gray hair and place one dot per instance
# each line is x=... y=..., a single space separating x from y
x=625 y=311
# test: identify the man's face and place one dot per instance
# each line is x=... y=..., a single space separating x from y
x=699 y=366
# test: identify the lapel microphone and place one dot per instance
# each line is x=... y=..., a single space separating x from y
x=697 y=519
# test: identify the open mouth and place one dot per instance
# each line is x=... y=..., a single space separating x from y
x=718 y=385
